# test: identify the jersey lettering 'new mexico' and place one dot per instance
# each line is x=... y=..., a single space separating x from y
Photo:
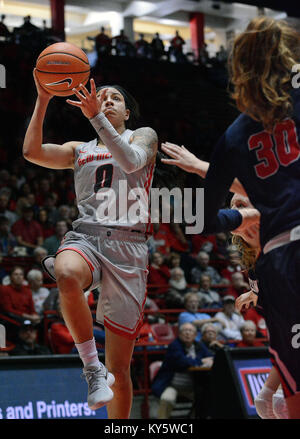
x=105 y=194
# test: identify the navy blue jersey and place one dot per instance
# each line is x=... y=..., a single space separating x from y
x=268 y=166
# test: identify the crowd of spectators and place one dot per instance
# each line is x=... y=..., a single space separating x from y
x=200 y=276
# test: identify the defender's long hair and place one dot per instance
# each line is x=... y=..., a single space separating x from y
x=248 y=254
x=260 y=67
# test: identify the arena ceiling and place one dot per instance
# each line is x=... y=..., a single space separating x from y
x=223 y=14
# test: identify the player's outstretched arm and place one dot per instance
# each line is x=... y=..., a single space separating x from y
x=187 y=161
x=48 y=155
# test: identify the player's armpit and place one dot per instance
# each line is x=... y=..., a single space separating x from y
x=147 y=139
x=54 y=156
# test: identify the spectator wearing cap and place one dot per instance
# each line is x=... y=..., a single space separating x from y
x=191 y=314
x=28 y=232
x=248 y=331
x=16 y=298
x=27 y=341
x=231 y=319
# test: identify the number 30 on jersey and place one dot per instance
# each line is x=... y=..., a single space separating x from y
x=272 y=150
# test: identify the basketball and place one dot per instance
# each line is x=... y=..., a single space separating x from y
x=62 y=67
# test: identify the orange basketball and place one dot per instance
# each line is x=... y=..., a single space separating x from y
x=62 y=67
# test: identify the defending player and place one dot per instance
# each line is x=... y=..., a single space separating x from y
x=262 y=150
x=112 y=246
x=269 y=402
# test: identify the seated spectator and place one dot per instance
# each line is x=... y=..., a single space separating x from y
x=255 y=314
x=159 y=273
x=160 y=240
x=174 y=378
x=238 y=287
x=64 y=214
x=221 y=251
x=234 y=266
x=47 y=227
x=39 y=293
x=177 y=290
x=16 y=298
x=22 y=200
x=191 y=314
x=203 y=267
x=7 y=240
x=52 y=243
x=210 y=337
x=208 y=297
x=248 y=330
x=231 y=320
x=44 y=189
x=27 y=231
x=61 y=338
x=50 y=206
x=4 y=208
x=174 y=260
x=203 y=243
x=27 y=341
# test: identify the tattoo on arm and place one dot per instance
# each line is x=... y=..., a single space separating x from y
x=147 y=139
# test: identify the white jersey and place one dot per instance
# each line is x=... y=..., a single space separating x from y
x=105 y=194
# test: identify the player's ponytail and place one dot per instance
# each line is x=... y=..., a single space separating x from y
x=260 y=66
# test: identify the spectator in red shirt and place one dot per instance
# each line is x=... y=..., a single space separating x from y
x=204 y=243
x=176 y=47
x=27 y=231
x=254 y=315
x=160 y=239
x=234 y=265
x=238 y=285
x=248 y=331
x=16 y=298
x=159 y=273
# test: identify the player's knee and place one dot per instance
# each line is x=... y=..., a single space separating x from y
x=66 y=277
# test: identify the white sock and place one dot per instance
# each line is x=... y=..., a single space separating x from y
x=88 y=353
x=263 y=403
x=279 y=405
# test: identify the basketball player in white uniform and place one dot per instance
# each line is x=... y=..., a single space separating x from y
x=111 y=246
